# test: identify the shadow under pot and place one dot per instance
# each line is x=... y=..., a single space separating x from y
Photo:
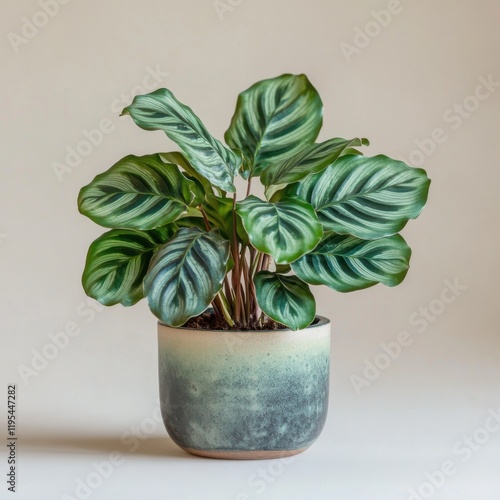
x=244 y=395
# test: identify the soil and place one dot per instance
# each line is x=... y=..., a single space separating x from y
x=209 y=321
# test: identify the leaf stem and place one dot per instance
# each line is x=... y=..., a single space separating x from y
x=223 y=305
x=205 y=218
x=236 y=270
x=249 y=186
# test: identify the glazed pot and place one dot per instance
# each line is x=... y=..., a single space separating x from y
x=244 y=395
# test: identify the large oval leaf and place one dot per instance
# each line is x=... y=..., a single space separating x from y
x=160 y=110
x=138 y=192
x=346 y=263
x=185 y=275
x=312 y=159
x=117 y=263
x=274 y=119
x=286 y=229
x=367 y=197
x=285 y=299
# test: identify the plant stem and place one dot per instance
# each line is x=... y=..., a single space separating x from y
x=248 y=291
x=228 y=291
x=249 y=186
x=256 y=264
x=223 y=305
x=236 y=270
x=265 y=262
x=244 y=317
x=205 y=218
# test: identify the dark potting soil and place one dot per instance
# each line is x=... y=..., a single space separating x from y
x=210 y=321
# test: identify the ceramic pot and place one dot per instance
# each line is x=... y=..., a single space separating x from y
x=244 y=395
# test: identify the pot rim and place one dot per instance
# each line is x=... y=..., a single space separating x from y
x=322 y=320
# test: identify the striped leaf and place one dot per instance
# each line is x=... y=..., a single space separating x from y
x=366 y=197
x=346 y=263
x=160 y=110
x=117 y=263
x=138 y=192
x=312 y=159
x=274 y=120
x=185 y=274
x=285 y=299
x=286 y=229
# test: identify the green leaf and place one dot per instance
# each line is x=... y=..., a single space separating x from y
x=275 y=119
x=366 y=197
x=191 y=221
x=160 y=110
x=220 y=214
x=180 y=160
x=312 y=159
x=346 y=263
x=283 y=268
x=117 y=263
x=185 y=274
x=286 y=229
x=285 y=299
x=138 y=192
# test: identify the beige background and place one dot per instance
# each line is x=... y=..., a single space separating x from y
x=81 y=65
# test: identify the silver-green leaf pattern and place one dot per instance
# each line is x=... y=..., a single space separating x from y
x=312 y=159
x=185 y=274
x=285 y=299
x=138 y=192
x=286 y=229
x=274 y=119
x=160 y=110
x=346 y=263
x=117 y=263
x=368 y=197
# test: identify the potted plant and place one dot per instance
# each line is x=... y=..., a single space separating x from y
x=243 y=358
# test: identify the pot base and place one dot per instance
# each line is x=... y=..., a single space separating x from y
x=244 y=455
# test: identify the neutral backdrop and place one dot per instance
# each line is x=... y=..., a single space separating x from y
x=420 y=79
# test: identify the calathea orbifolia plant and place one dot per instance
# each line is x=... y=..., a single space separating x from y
x=181 y=236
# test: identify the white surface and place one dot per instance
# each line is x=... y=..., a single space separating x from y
x=80 y=68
